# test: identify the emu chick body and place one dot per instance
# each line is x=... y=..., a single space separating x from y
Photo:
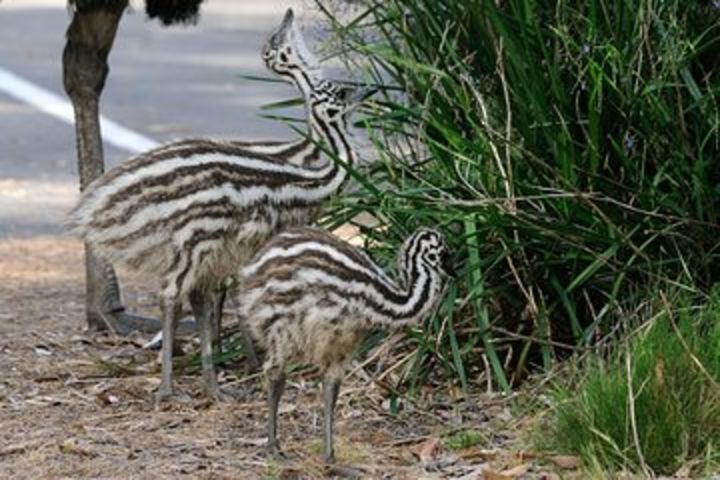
x=309 y=297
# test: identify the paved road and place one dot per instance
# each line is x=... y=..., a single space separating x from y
x=164 y=83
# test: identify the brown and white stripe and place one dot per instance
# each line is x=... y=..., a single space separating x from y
x=307 y=262
x=308 y=297
x=193 y=211
x=211 y=194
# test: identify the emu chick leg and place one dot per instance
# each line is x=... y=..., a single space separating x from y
x=218 y=305
x=170 y=314
x=331 y=389
x=276 y=386
x=249 y=347
x=203 y=304
x=247 y=340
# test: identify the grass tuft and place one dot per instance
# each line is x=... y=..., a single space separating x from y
x=569 y=150
x=653 y=404
x=465 y=439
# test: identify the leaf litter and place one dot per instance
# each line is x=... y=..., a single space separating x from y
x=80 y=405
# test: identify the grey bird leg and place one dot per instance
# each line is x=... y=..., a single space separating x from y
x=202 y=306
x=218 y=304
x=170 y=314
x=249 y=347
x=90 y=38
x=276 y=386
x=247 y=340
x=331 y=389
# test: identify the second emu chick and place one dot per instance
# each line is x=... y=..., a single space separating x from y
x=309 y=297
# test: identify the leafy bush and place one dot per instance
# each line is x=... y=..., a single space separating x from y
x=669 y=373
x=570 y=150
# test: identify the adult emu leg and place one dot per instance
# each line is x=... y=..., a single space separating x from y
x=89 y=40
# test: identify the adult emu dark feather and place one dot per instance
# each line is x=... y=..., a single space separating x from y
x=173 y=11
x=168 y=12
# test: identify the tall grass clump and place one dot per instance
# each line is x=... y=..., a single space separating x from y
x=570 y=150
x=654 y=404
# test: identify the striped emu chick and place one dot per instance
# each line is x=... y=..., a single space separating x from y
x=193 y=211
x=309 y=297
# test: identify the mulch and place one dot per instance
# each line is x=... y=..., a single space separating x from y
x=78 y=405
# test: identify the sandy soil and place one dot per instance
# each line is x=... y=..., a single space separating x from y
x=74 y=405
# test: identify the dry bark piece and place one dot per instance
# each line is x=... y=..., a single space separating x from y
x=427 y=450
x=517 y=470
x=70 y=447
x=493 y=475
x=567 y=462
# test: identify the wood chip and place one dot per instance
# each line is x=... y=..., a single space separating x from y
x=492 y=475
x=427 y=450
x=516 y=471
x=567 y=462
x=70 y=447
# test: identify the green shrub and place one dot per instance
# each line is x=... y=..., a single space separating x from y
x=673 y=368
x=569 y=149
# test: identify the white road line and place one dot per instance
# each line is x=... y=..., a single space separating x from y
x=52 y=104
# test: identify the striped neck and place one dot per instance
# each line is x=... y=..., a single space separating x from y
x=304 y=79
x=331 y=136
x=418 y=297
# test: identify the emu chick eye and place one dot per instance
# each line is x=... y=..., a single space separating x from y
x=283 y=57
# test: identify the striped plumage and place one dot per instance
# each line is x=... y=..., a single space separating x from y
x=193 y=211
x=309 y=297
x=188 y=209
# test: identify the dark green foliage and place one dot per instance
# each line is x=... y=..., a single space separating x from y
x=571 y=152
x=674 y=365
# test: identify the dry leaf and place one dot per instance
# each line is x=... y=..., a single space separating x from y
x=476 y=474
x=529 y=456
x=456 y=393
x=516 y=471
x=477 y=452
x=426 y=450
x=568 y=462
x=70 y=447
x=683 y=472
x=491 y=475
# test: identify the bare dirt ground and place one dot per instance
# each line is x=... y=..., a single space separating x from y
x=74 y=405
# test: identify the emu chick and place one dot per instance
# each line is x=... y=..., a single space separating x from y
x=309 y=297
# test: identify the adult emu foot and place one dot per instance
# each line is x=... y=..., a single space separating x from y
x=166 y=395
x=275 y=452
x=124 y=323
x=215 y=394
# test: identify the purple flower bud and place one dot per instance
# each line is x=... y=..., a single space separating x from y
x=629 y=143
